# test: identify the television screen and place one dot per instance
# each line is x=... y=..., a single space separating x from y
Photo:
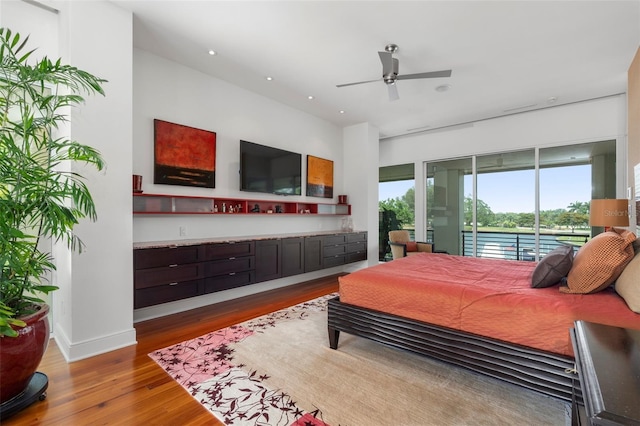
x=270 y=170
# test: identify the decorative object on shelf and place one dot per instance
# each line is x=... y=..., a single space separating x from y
x=319 y=177
x=137 y=183
x=609 y=213
x=184 y=155
x=347 y=224
x=342 y=199
x=37 y=91
x=184 y=204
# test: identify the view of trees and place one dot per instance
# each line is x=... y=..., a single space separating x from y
x=576 y=214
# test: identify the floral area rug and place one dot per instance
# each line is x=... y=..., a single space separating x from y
x=235 y=393
x=279 y=370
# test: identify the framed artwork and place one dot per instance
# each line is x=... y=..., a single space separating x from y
x=319 y=177
x=184 y=155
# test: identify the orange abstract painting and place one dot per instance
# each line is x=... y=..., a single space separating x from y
x=319 y=177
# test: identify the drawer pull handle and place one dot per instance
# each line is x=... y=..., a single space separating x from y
x=232 y=273
x=173 y=284
x=232 y=258
x=173 y=265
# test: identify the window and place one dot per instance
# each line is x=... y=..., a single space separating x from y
x=503 y=216
x=396 y=203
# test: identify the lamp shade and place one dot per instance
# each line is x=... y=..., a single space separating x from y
x=609 y=212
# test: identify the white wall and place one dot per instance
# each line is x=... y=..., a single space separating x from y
x=169 y=91
x=589 y=121
x=361 y=179
x=95 y=312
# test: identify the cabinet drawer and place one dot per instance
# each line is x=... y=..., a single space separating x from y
x=356 y=247
x=334 y=261
x=330 y=240
x=165 y=293
x=157 y=276
x=334 y=250
x=359 y=236
x=225 y=282
x=234 y=264
x=227 y=250
x=165 y=256
x=356 y=257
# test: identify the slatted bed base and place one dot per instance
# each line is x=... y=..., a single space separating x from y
x=545 y=372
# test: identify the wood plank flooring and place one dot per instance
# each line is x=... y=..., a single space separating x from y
x=125 y=387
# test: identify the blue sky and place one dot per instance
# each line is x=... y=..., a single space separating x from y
x=514 y=191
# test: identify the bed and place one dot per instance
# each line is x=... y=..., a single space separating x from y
x=484 y=314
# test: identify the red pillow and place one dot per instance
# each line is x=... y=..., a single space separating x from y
x=411 y=246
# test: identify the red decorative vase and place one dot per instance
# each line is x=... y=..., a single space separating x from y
x=20 y=356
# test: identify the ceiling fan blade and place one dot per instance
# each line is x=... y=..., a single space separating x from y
x=432 y=74
x=387 y=62
x=393 y=92
x=358 y=82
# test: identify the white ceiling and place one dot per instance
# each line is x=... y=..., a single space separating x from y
x=506 y=56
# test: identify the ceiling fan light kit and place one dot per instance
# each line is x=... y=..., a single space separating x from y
x=390 y=72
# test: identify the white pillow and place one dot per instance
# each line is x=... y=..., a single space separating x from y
x=628 y=284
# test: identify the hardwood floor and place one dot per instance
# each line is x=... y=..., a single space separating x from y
x=125 y=387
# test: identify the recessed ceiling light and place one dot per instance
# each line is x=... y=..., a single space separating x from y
x=269 y=78
x=443 y=88
x=341 y=111
x=212 y=52
x=310 y=97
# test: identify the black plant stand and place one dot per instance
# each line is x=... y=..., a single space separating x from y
x=36 y=391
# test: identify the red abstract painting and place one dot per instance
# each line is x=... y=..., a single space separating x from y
x=184 y=155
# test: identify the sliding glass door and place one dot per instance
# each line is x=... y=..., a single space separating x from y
x=511 y=206
x=447 y=186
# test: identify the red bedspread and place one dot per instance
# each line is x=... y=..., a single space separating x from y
x=488 y=297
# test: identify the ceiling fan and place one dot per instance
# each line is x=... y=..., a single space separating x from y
x=390 y=72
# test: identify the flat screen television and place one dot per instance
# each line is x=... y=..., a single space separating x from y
x=270 y=170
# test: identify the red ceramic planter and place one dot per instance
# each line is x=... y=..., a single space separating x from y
x=20 y=356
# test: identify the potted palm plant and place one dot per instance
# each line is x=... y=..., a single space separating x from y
x=41 y=198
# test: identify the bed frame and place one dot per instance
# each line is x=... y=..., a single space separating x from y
x=545 y=372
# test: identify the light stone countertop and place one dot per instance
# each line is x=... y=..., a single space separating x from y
x=214 y=240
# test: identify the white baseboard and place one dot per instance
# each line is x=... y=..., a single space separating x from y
x=80 y=350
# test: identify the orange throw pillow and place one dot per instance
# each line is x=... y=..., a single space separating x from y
x=600 y=262
x=411 y=246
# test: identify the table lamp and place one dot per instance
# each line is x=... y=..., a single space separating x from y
x=609 y=213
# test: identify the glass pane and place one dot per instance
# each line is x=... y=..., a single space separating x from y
x=570 y=176
x=505 y=206
x=396 y=204
x=446 y=191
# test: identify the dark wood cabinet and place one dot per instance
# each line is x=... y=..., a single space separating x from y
x=356 y=247
x=312 y=253
x=229 y=265
x=268 y=260
x=608 y=364
x=165 y=274
x=292 y=256
x=334 y=250
x=172 y=273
